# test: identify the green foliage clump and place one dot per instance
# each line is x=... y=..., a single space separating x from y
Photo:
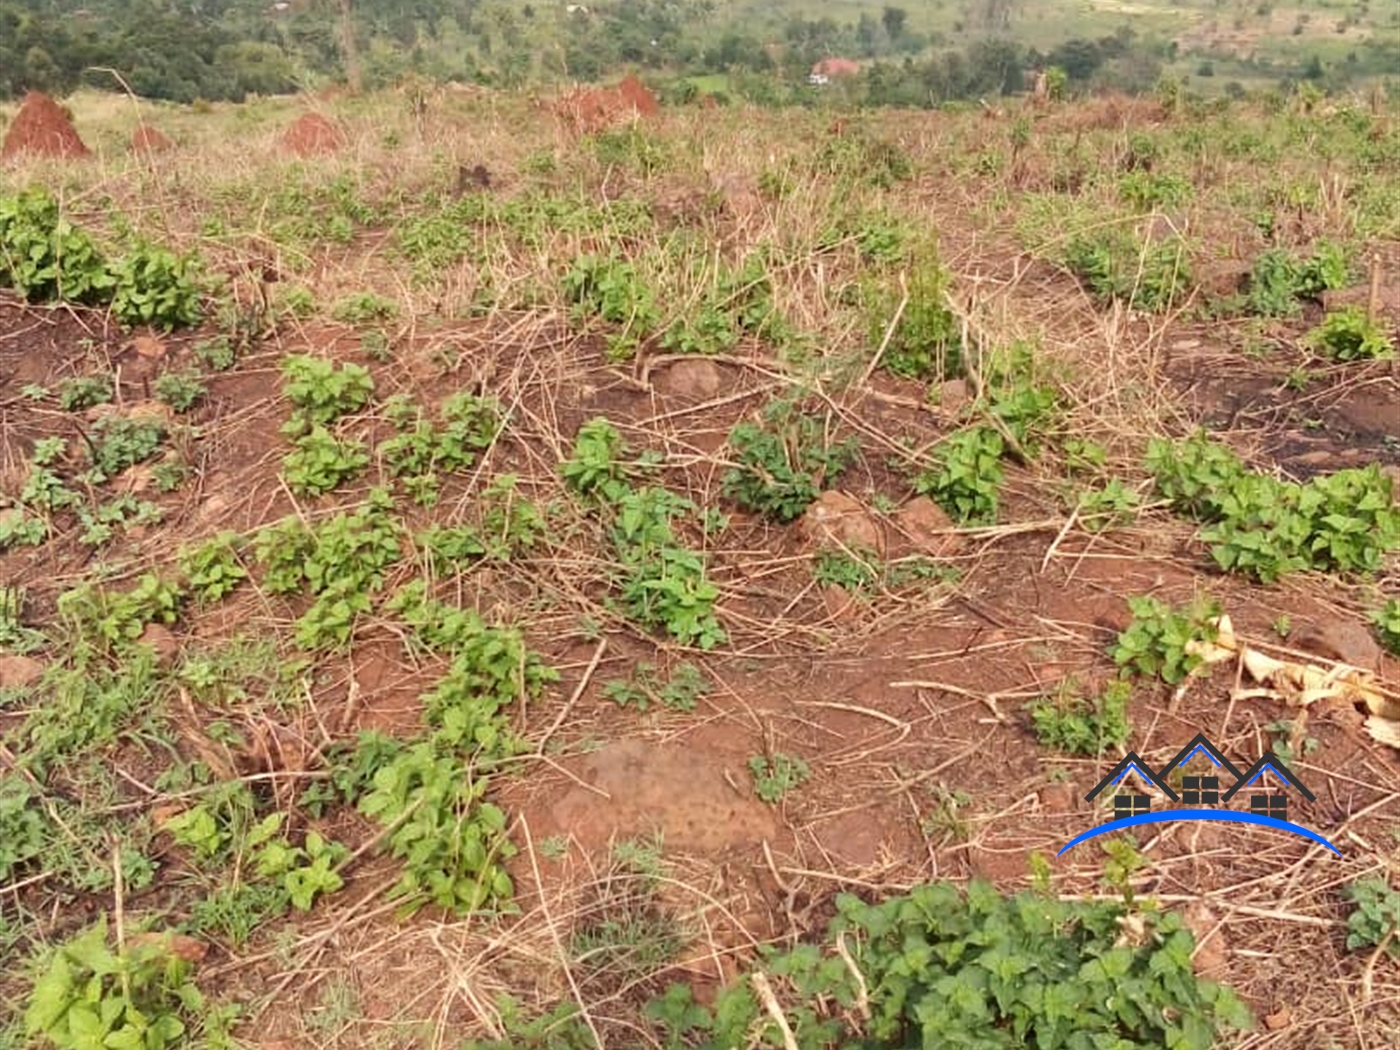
x=421 y=451
x=1146 y=190
x=44 y=257
x=320 y=392
x=1387 y=623
x=154 y=286
x=663 y=583
x=1114 y=265
x=1350 y=334
x=24 y=831
x=632 y=147
x=82 y=392
x=1160 y=640
x=942 y=967
x=775 y=775
x=1264 y=527
x=213 y=569
x=90 y=996
x=612 y=291
x=925 y=344
x=118 y=442
x=1279 y=278
x=1074 y=724
x=967 y=481
x=320 y=462
x=116 y=619
x=738 y=302
x=679 y=692
x=784 y=463
x=342 y=563
x=1375 y=919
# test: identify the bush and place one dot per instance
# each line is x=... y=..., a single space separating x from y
x=943 y=968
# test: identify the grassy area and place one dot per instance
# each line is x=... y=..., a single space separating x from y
x=679 y=583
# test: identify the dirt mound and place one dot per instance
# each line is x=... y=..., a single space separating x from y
x=44 y=128
x=310 y=134
x=587 y=111
x=146 y=139
x=634 y=93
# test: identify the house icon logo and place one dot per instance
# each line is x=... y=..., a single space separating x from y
x=1216 y=792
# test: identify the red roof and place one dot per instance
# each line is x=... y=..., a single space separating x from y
x=836 y=67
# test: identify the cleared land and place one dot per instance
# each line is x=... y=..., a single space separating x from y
x=878 y=474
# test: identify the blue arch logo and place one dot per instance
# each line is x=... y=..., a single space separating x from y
x=1218 y=788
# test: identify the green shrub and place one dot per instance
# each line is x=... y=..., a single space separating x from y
x=784 y=463
x=943 y=968
x=44 y=257
x=1387 y=623
x=154 y=286
x=967 y=482
x=1113 y=265
x=1264 y=527
x=1158 y=641
x=1087 y=726
x=1350 y=334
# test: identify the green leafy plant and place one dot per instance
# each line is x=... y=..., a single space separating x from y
x=214 y=570
x=115 y=619
x=679 y=692
x=1113 y=265
x=321 y=392
x=45 y=257
x=925 y=342
x=321 y=462
x=777 y=774
x=84 y=391
x=596 y=469
x=968 y=479
x=24 y=831
x=1071 y=723
x=154 y=286
x=1158 y=640
x=612 y=291
x=1264 y=527
x=784 y=464
x=452 y=842
x=117 y=442
x=1387 y=623
x=91 y=997
x=1350 y=334
x=180 y=390
x=1111 y=505
x=943 y=967
x=363 y=308
x=1375 y=917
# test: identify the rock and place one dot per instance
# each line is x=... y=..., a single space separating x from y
x=693 y=378
x=1212 y=957
x=1345 y=640
x=923 y=525
x=836 y=519
x=149 y=346
x=953 y=394
x=19 y=672
x=162 y=641
x=1279 y=1019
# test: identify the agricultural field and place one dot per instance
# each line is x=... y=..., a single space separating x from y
x=470 y=582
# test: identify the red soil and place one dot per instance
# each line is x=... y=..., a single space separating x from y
x=146 y=139
x=43 y=128
x=587 y=111
x=312 y=133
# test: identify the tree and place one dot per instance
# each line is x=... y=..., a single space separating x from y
x=895 y=21
x=350 y=46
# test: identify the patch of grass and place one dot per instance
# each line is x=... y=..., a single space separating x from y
x=1114 y=265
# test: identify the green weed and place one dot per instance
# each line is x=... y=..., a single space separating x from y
x=1071 y=723
x=1158 y=641
x=774 y=776
x=784 y=463
x=1350 y=334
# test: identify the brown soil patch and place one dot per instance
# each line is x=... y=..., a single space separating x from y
x=146 y=139
x=43 y=128
x=588 y=111
x=312 y=134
